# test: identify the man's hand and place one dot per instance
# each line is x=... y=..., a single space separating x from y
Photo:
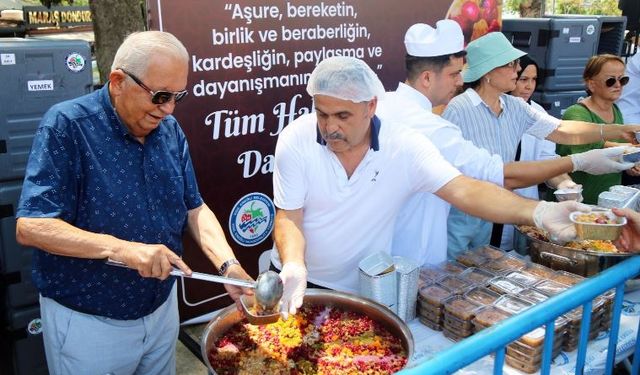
x=629 y=240
x=554 y=218
x=600 y=161
x=155 y=260
x=294 y=279
x=237 y=272
x=568 y=185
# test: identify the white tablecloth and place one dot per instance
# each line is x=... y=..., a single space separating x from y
x=429 y=342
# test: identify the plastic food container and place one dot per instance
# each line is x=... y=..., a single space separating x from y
x=434 y=294
x=461 y=307
x=550 y=287
x=504 y=286
x=595 y=231
x=431 y=273
x=539 y=271
x=512 y=304
x=533 y=295
x=452 y=267
x=608 y=199
x=477 y=275
x=456 y=284
x=523 y=278
x=506 y=264
x=567 y=278
x=482 y=295
x=471 y=259
x=568 y=194
x=490 y=252
x=489 y=316
x=430 y=324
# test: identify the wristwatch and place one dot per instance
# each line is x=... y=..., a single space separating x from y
x=225 y=266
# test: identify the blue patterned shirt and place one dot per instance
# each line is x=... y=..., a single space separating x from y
x=86 y=169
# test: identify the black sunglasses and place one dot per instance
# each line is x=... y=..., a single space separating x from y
x=160 y=96
x=612 y=81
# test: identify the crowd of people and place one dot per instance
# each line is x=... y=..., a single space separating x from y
x=110 y=177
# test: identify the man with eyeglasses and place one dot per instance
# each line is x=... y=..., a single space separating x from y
x=110 y=177
x=433 y=62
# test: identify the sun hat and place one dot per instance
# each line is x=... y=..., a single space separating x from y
x=487 y=53
x=346 y=78
x=422 y=40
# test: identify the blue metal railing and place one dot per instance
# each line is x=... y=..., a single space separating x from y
x=495 y=338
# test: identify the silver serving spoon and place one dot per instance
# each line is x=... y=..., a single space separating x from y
x=268 y=286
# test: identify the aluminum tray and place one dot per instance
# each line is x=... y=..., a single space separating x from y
x=581 y=262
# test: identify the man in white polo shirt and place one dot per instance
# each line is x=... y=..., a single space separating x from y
x=341 y=176
x=434 y=61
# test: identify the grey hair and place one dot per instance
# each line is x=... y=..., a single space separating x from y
x=137 y=50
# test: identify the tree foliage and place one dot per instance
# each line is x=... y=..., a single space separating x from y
x=113 y=20
x=604 y=7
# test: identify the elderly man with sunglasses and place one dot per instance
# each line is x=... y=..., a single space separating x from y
x=110 y=177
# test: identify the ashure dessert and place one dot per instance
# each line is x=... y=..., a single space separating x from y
x=317 y=340
x=595 y=218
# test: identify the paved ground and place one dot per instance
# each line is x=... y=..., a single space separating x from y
x=187 y=363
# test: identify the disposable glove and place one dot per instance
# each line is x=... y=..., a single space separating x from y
x=554 y=218
x=568 y=185
x=294 y=280
x=601 y=161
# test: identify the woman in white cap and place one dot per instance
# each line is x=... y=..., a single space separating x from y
x=496 y=121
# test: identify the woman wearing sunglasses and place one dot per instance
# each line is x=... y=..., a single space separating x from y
x=604 y=78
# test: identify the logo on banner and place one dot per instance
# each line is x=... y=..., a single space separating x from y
x=75 y=62
x=251 y=219
x=35 y=327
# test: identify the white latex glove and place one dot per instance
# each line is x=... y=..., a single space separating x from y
x=568 y=185
x=294 y=280
x=554 y=218
x=600 y=161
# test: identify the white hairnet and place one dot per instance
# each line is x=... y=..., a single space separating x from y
x=346 y=78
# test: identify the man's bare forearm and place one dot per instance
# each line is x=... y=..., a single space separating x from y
x=528 y=173
x=61 y=238
x=488 y=201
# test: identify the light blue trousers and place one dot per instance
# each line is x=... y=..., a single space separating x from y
x=77 y=343
x=465 y=232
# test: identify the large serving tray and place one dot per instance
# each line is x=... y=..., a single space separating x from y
x=229 y=316
x=581 y=262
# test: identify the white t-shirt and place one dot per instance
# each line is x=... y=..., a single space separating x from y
x=421 y=229
x=629 y=102
x=531 y=149
x=346 y=219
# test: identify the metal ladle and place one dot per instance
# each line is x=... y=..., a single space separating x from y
x=268 y=286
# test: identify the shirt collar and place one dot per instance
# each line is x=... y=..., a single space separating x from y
x=476 y=99
x=420 y=98
x=375 y=130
